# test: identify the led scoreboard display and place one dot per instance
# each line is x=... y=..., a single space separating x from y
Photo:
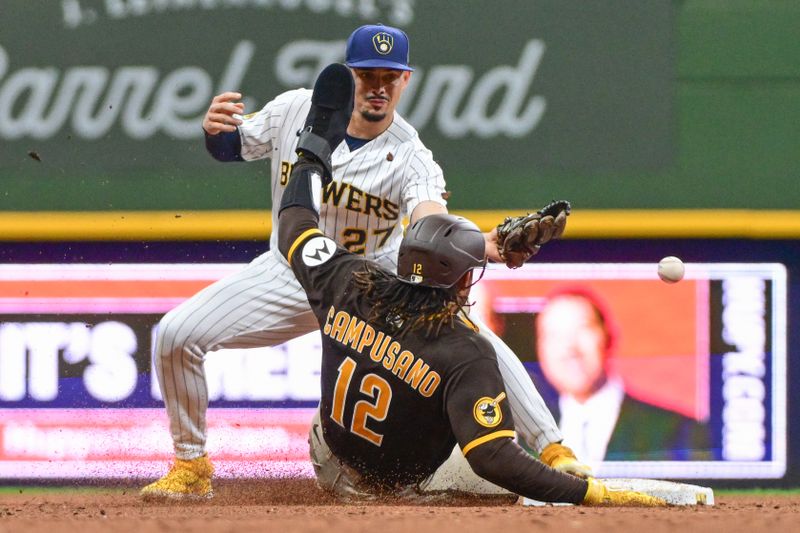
x=79 y=398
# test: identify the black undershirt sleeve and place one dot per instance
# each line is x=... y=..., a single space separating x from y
x=225 y=146
x=297 y=212
x=292 y=222
x=506 y=464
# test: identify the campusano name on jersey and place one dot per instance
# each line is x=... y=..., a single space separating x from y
x=360 y=336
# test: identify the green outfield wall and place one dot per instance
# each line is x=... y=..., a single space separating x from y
x=614 y=104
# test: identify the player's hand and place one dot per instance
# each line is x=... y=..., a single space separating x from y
x=220 y=115
x=561 y=458
x=599 y=494
x=492 y=251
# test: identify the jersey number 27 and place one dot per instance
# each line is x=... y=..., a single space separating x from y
x=376 y=408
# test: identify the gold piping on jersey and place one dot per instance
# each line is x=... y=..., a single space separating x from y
x=381 y=348
x=486 y=438
x=470 y=324
x=299 y=240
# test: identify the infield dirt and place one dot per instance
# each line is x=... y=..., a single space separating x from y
x=296 y=505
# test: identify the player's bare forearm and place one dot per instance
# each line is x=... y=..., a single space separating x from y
x=491 y=246
x=426 y=208
x=504 y=463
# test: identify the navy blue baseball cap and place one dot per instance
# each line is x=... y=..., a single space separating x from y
x=378 y=46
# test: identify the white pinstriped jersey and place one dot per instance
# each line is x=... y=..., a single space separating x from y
x=374 y=187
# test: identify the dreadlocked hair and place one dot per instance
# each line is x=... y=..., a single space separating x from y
x=401 y=308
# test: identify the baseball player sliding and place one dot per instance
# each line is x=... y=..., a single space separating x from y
x=405 y=374
x=380 y=172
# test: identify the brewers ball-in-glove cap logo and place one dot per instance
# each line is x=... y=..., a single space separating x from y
x=487 y=411
x=383 y=42
x=378 y=46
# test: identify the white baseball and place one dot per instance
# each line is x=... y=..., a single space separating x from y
x=671 y=269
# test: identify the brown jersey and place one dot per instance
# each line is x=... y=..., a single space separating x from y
x=393 y=408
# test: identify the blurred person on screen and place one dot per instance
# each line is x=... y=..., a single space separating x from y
x=575 y=341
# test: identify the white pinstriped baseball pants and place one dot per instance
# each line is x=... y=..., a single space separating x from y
x=264 y=305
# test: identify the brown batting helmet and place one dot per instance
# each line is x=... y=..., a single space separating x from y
x=437 y=250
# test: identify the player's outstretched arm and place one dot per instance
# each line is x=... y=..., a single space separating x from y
x=426 y=208
x=325 y=127
x=504 y=463
x=299 y=210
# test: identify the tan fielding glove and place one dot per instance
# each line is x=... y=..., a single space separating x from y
x=599 y=494
x=561 y=458
x=519 y=238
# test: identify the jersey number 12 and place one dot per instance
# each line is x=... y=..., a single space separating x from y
x=376 y=408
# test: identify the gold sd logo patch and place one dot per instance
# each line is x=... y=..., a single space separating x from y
x=383 y=42
x=487 y=411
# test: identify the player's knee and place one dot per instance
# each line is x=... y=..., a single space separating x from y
x=173 y=336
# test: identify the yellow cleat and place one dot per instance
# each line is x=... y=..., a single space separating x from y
x=186 y=480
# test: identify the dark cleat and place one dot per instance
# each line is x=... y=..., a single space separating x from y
x=327 y=120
